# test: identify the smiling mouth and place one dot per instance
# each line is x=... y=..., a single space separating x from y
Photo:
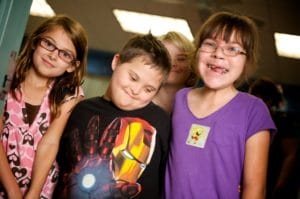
x=218 y=69
x=176 y=70
x=129 y=94
x=48 y=63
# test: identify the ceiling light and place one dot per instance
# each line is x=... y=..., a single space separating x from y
x=144 y=23
x=287 y=45
x=41 y=8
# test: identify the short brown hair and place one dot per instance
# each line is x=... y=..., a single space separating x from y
x=225 y=24
x=147 y=45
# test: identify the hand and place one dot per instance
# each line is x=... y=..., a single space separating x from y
x=32 y=195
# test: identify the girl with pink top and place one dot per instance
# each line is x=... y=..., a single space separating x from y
x=44 y=89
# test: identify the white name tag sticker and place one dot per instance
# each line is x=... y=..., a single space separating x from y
x=198 y=135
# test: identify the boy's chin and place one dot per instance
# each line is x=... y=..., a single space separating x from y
x=131 y=107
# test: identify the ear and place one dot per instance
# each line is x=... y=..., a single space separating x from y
x=115 y=61
x=77 y=63
x=72 y=67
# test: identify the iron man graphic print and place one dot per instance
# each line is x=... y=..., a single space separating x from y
x=109 y=166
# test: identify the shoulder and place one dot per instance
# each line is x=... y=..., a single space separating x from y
x=156 y=116
x=257 y=113
x=183 y=91
x=92 y=100
x=252 y=105
x=247 y=96
x=82 y=113
x=250 y=100
x=88 y=103
x=157 y=110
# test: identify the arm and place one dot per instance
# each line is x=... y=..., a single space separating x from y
x=7 y=178
x=48 y=147
x=255 y=167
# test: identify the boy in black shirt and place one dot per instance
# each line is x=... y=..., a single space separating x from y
x=115 y=146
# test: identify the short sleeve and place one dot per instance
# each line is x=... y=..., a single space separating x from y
x=260 y=119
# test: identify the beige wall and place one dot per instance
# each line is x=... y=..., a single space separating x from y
x=95 y=85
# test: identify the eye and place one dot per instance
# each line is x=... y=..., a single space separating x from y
x=149 y=89
x=209 y=43
x=233 y=49
x=133 y=77
x=181 y=58
x=48 y=44
x=66 y=55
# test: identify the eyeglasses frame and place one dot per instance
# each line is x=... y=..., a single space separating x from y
x=41 y=39
x=240 y=52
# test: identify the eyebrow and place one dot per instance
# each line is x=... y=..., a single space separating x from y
x=132 y=73
x=229 y=42
x=181 y=55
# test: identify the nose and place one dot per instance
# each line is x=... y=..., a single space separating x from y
x=173 y=62
x=54 y=54
x=218 y=53
x=135 y=89
x=174 y=66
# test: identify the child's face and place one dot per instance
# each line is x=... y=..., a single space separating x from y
x=133 y=84
x=53 y=54
x=180 y=70
x=218 y=69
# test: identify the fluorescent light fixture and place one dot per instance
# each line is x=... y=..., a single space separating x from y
x=142 y=23
x=41 y=8
x=287 y=45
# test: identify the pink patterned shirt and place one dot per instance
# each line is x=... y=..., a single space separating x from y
x=20 y=141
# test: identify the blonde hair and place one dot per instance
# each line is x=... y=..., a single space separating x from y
x=188 y=47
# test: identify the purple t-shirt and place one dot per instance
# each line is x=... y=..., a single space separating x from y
x=207 y=154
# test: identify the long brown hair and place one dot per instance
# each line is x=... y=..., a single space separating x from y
x=67 y=83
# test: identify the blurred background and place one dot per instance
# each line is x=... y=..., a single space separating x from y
x=102 y=20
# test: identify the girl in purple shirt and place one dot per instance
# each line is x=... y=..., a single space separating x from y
x=221 y=136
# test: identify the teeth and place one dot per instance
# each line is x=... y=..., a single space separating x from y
x=224 y=69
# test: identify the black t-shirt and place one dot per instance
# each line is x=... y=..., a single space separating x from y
x=114 y=146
